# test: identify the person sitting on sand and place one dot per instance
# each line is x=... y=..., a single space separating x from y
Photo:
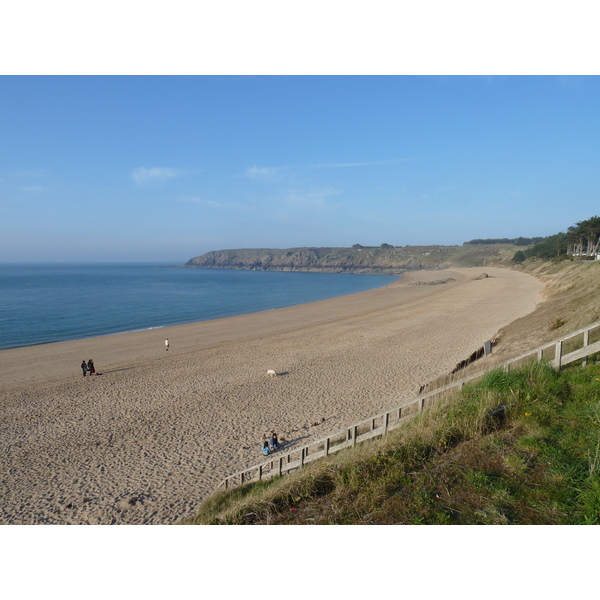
x=273 y=441
x=265 y=449
x=91 y=368
x=83 y=367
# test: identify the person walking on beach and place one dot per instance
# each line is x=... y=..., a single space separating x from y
x=167 y=344
x=83 y=367
x=91 y=368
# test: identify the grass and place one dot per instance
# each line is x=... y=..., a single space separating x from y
x=536 y=460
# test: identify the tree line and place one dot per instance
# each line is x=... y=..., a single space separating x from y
x=520 y=241
x=581 y=239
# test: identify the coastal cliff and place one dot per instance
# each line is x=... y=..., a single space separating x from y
x=384 y=260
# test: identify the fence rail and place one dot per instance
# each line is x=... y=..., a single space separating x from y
x=382 y=423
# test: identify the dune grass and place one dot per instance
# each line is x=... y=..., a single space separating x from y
x=518 y=447
x=537 y=460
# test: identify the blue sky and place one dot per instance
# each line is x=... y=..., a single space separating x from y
x=164 y=168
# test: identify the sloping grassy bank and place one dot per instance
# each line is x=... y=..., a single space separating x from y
x=572 y=301
x=535 y=460
x=453 y=464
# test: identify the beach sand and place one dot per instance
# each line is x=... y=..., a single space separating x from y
x=155 y=432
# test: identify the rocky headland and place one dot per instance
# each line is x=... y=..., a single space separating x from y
x=358 y=259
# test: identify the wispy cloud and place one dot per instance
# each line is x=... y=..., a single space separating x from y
x=345 y=165
x=228 y=206
x=314 y=199
x=264 y=173
x=270 y=173
x=31 y=173
x=143 y=175
x=24 y=180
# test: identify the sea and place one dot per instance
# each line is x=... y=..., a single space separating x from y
x=44 y=303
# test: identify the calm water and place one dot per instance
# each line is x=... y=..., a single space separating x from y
x=50 y=303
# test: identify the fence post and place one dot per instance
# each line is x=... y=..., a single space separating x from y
x=586 y=342
x=352 y=432
x=558 y=354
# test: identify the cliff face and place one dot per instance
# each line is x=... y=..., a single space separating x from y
x=355 y=260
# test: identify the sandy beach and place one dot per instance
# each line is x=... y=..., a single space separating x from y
x=154 y=432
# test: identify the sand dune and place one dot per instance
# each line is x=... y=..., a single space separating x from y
x=148 y=439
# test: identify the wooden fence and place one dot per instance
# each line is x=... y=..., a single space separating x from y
x=578 y=345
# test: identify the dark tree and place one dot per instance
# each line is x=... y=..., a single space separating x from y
x=519 y=257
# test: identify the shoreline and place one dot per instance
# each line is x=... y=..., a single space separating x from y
x=43 y=351
x=186 y=320
x=153 y=436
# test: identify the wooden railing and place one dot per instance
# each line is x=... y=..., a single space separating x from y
x=580 y=346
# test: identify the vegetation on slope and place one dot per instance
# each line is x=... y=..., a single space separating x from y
x=358 y=259
x=581 y=239
x=449 y=465
x=536 y=461
x=520 y=241
x=572 y=301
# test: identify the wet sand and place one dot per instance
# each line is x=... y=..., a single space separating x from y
x=153 y=434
